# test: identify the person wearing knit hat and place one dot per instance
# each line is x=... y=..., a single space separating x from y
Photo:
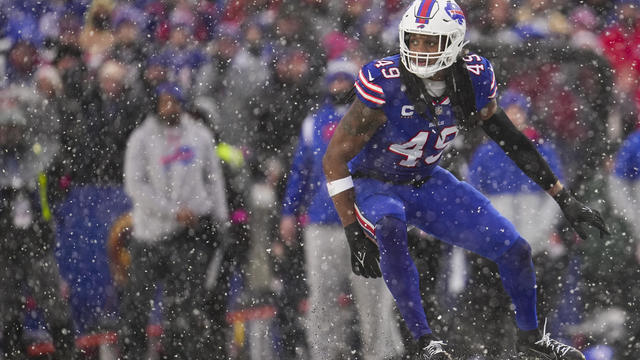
x=341 y=68
x=513 y=97
x=170 y=104
x=129 y=48
x=339 y=78
x=172 y=90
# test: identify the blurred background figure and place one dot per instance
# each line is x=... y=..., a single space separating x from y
x=174 y=177
x=187 y=58
x=214 y=79
x=97 y=38
x=23 y=62
x=618 y=42
x=584 y=22
x=278 y=116
x=28 y=269
x=308 y=208
x=239 y=82
x=231 y=256
x=290 y=96
x=155 y=71
x=128 y=47
x=110 y=110
x=539 y=19
x=510 y=191
x=496 y=24
x=624 y=184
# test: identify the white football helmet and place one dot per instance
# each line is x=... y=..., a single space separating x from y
x=442 y=18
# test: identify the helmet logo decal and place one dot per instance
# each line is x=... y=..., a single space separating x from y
x=455 y=12
x=427 y=10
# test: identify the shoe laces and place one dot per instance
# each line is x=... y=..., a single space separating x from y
x=434 y=347
x=552 y=344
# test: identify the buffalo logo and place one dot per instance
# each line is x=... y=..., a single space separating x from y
x=183 y=155
x=455 y=12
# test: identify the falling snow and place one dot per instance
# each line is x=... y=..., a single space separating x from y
x=162 y=186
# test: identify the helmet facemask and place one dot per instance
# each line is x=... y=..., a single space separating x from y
x=447 y=31
x=427 y=64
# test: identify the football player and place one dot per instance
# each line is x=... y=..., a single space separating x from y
x=382 y=172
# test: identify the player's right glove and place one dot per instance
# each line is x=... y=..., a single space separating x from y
x=365 y=256
x=579 y=214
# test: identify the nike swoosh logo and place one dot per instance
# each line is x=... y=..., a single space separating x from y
x=370 y=77
x=360 y=257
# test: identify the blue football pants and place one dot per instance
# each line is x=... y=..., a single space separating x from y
x=456 y=213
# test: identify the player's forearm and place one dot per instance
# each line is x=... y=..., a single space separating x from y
x=335 y=168
x=345 y=206
x=355 y=129
x=334 y=163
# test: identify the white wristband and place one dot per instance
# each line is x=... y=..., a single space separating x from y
x=337 y=186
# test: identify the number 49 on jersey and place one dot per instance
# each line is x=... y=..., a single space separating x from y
x=414 y=149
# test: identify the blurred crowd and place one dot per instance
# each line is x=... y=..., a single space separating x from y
x=78 y=77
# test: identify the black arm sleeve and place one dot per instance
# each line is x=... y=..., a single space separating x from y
x=520 y=149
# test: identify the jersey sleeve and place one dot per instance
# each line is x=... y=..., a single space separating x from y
x=483 y=79
x=368 y=86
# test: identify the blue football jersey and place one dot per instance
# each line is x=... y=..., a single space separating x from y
x=409 y=145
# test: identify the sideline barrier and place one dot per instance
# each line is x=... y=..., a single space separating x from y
x=84 y=221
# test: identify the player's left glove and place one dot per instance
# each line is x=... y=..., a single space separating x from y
x=579 y=214
x=365 y=256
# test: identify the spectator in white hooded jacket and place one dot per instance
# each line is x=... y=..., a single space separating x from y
x=175 y=181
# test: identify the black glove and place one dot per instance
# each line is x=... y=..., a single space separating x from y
x=365 y=256
x=578 y=213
